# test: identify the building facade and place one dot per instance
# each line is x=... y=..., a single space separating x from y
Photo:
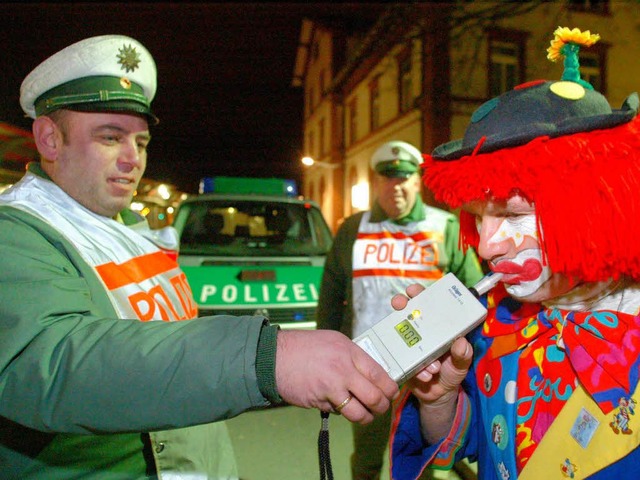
x=418 y=71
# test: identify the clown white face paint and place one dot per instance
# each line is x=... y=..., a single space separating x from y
x=517 y=229
x=526 y=270
x=509 y=243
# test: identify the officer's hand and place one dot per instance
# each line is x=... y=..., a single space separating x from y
x=323 y=368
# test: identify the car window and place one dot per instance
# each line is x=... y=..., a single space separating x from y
x=252 y=228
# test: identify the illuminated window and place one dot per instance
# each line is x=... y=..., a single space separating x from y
x=360 y=196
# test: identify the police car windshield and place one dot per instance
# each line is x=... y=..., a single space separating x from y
x=250 y=228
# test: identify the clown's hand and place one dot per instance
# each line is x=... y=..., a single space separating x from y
x=437 y=385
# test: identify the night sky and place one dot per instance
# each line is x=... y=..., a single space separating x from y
x=225 y=100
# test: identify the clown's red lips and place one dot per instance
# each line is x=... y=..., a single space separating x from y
x=514 y=273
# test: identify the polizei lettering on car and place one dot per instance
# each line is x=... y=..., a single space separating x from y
x=253 y=247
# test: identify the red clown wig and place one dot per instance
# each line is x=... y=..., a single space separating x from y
x=562 y=147
x=586 y=191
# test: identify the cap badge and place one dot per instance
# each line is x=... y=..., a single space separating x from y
x=125 y=83
x=128 y=58
x=395 y=150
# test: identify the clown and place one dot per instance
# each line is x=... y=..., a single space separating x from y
x=547 y=177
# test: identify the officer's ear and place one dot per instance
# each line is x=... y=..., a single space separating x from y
x=48 y=137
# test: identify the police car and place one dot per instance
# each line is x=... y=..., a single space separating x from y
x=251 y=246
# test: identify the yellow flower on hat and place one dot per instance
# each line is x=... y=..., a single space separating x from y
x=565 y=35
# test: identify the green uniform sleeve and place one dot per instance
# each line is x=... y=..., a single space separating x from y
x=266 y=363
x=67 y=364
x=334 y=303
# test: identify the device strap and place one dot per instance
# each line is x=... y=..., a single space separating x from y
x=326 y=472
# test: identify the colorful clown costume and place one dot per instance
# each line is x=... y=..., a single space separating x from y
x=529 y=361
x=547 y=176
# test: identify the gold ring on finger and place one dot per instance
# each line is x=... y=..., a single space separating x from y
x=338 y=408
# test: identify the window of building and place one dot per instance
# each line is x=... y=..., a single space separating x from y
x=321 y=141
x=323 y=194
x=506 y=61
x=310 y=101
x=405 y=85
x=593 y=6
x=503 y=69
x=592 y=68
x=374 y=103
x=352 y=112
x=321 y=82
x=311 y=146
x=353 y=179
x=359 y=192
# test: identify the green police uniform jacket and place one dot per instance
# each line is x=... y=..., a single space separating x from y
x=80 y=386
x=425 y=228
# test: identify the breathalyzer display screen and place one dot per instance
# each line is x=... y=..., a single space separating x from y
x=408 y=333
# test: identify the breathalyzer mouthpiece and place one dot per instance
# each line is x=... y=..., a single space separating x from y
x=486 y=283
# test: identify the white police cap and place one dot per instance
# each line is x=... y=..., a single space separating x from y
x=97 y=74
x=396 y=159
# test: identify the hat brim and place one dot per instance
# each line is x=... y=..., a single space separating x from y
x=397 y=168
x=395 y=174
x=455 y=149
x=121 y=106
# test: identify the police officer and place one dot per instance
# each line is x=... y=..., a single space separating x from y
x=377 y=254
x=105 y=372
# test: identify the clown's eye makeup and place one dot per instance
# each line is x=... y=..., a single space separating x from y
x=519 y=220
x=515 y=228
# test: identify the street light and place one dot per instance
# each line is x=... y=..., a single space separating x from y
x=309 y=162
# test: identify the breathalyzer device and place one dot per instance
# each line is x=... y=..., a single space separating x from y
x=408 y=340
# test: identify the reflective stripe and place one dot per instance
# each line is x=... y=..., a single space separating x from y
x=387 y=272
x=136 y=270
x=388 y=257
